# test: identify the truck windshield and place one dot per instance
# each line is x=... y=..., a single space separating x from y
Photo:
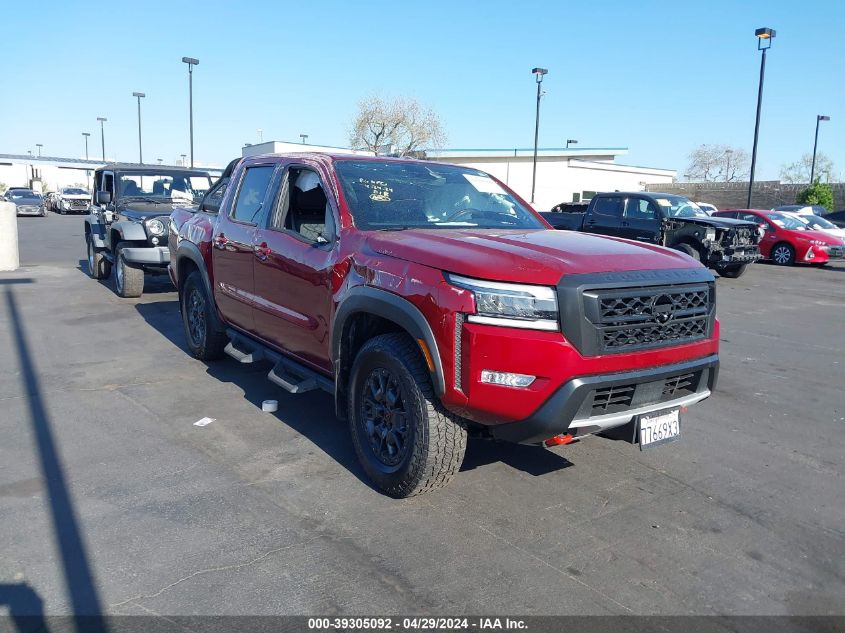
x=393 y=195
x=167 y=185
x=680 y=207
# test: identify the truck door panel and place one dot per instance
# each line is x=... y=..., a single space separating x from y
x=605 y=216
x=294 y=259
x=641 y=221
x=232 y=248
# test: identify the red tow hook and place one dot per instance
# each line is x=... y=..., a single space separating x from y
x=557 y=440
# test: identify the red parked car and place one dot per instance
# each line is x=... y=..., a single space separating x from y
x=787 y=241
x=433 y=303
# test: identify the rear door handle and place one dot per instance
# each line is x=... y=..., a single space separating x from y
x=220 y=241
x=625 y=224
x=262 y=251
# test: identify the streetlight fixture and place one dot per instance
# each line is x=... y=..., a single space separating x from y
x=102 y=121
x=139 y=95
x=819 y=119
x=764 y=37
x=85 y=135
x=304 y=138
x=572 y=141
x=39 y=146
x=160 y=161
x=538 y=73
x=191 y=61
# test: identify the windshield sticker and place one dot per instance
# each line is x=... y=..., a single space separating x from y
x=663 y=202
x=379 y=191
x=484 y=184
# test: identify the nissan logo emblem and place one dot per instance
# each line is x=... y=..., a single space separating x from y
x=662 y=309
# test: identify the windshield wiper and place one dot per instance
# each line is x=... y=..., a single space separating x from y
x=143 y=199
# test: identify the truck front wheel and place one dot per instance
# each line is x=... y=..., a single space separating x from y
x=406 y=441
x=733 y=271
x=689 y=250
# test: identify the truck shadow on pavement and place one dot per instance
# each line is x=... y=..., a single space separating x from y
x=312 y=414
x=70 y=542
x=153 y=284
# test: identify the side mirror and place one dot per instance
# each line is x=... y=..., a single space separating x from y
x=104 y=197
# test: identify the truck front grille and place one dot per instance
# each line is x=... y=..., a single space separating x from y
x=79 y=204
x=744 y=236
x=649 y=317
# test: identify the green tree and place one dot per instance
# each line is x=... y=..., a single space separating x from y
x=3 y=188
x=820 y=193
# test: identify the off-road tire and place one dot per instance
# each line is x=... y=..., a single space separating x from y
x=788 y=258
x=98 y=266
x=732 y=272
x=128 y=279
x=207 y=344
x=688 y=250
x=435 y=440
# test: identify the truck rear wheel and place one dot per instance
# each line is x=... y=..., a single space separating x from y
x=128 y=279
x=98 y=266
x=205 y=335
x=406 y=441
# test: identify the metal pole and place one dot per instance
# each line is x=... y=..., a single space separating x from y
x=536 y=136
x=815 y=146
x=103 y=140
x=140 y=150
x=756 y=126
x=191 y=107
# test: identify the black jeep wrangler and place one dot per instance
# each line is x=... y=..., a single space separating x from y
x=128 y=224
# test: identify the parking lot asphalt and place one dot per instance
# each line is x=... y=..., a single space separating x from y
x=112 y=500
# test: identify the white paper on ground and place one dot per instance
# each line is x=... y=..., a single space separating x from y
x=204 y=422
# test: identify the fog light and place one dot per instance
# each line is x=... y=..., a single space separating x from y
x=154 y=240
x=506 y=379
x=810 y=254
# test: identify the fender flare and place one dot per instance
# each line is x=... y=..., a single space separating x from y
x=189 y=250
x=129 y=231
x=394 y=308
x=97 y=232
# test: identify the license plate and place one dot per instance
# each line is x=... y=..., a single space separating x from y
x=659 y=427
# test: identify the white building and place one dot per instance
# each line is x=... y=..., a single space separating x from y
x=563 y=174
x=283 y=147
x=50 y=173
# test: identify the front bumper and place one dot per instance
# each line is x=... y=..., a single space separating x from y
x=587 y=405
x=736 y=255
x=147 y=255
x=28 y=210
x=816 y=254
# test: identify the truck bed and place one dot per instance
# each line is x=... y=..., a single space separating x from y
x=568 y=221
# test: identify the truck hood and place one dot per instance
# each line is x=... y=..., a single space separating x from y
x=533 y=256
x=724 y=223
x=140 y=210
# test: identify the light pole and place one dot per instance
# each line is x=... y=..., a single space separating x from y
x=304 y=138
x=728 y=153
x=160 y=161
x=85 y=135
x=260 y=135
x=572 y=141
x=538 y=73
x=102 y=121
x=191 y=63
x=183 y=159
x=140 y=152
x=40 y=145
x=819 y=119
x=765 y=36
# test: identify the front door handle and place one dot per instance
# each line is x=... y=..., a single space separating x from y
x=262 y=251
x=220 y=241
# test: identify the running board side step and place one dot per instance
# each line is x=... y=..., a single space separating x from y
x=288 y=374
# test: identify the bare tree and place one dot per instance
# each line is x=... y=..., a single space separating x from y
x=402 y=126
x=799 y=171
x=718 y=163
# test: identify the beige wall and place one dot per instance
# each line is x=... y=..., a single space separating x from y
x=558 y=178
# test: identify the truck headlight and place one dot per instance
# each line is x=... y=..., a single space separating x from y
x=65 y=204
x=155 y=227
x=511 y=305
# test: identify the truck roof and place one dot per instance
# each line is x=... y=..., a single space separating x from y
x=153 y=169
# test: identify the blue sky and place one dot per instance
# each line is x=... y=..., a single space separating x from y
x=658 y=77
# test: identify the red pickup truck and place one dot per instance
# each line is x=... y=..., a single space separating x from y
x=434 y=303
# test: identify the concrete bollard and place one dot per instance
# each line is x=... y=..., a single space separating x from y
x=9 y=257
